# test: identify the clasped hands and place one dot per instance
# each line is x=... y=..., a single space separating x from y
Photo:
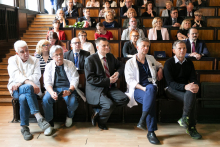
x=55 y=96
x=114 y=77
x=196 y=55
x=194 y=88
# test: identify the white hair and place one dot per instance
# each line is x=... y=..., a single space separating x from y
x=54 y=48
x=142 y=40
x=18 y=44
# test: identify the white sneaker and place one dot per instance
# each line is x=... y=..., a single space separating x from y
x=68 y=122
x=48 y=131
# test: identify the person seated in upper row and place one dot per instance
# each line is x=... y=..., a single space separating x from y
x=182 y=3
x=149 y=10
x=200 y=3
x=70 y=10
x=77 y=4
x=174 y=20
x=61 y=17
x=93 y=3
x=87 y=46
x=56 y=26
x=130 y=47
x=142 y=3
x=166 y=13
x=109 y=21
x=125 y=8
x=132 y=26
x=111 y=2
x=197 y=21
x=189 y=11
x=158 y=32
x=76 y=55
x=86 y=13
x=195 y=47
x=182 y=33
x=130 y=14
x=101 y=32
x=106 y=9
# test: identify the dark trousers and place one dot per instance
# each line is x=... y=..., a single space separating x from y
x=109 y=99
x=148 y=100
x=189 y=103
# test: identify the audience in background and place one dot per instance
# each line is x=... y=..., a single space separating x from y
x=149 y=12
x=158 y=32
x=111 y=2
x=86 y=17
x=87 y=46
x=125 y=8
x=101 y=32
x=130 y=47
x=61 y=17
x=200 y=3
x=189 y=11
x=197 y=21
x=182 y=33
x=109 y=21
x=93 y=3
x=181 y=3
x=70 y=10
x=56 y=25
x=142 y=3
x=77 y=4
x=174 y=20
x=54 y=40
x=166 y=13
x=106 y=9
x=130 y=14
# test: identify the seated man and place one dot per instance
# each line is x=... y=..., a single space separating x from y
x=141 y=79
x=70 y=10
x=133 y=26
x=128 y=4
x=102 y=70
x=189 y=12
x=195 y=47
x=178 y=72
x=24 y=72
x=174 y=20
x=77 y=4
x=86 y=13
x=61 y=80
x=76 y=55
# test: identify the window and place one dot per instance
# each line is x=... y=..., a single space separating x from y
x=7 y=2
x=32 y=5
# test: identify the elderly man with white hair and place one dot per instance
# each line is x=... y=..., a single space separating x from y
x=24 y=72
x=60 y=80
x=141 y=73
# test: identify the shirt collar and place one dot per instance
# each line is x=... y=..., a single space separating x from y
x=178 y=61
x=76 y=52
x=100 y=56
x=192 y=41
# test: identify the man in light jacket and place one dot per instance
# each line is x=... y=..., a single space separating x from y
x=141 y=73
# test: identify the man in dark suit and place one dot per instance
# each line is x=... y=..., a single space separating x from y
x=76 y=55
x=86 y=13
x=189 y=12
x=70 y=10
x=128 y=4
x=174 y=20
x=195 y=47
x=102 y=70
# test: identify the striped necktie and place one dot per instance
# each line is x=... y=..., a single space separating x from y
x=106 y=67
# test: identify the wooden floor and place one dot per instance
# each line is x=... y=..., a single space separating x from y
x=118 y=135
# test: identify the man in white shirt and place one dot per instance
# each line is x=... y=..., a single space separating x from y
x=24 y=72
x=133 y=26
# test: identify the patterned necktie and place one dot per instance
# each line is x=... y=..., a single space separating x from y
x=76 y=60
x=193 y=47
x=106 y=67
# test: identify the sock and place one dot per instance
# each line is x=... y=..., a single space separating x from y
x=143 y=116
x=150 y=132
x=38 y=116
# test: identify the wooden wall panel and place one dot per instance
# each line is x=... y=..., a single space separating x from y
x=218 y=65
x=208 y=11
x=218 y=34
x=122 y=20
x=167 y=47
x=209 y=78
x=90 y=34
x=115 y=49
x=71 y=21
x=214 y=2
x=114 y=33
x=213 y=22
x=173 y=34
x=203 y=65
x=214 y=49
x=218 y=11
x=147 y=22
x=94 y=12
x=69 y=34
x=117 y=11
x=206 y=34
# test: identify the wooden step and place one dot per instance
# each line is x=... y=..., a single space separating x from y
x=45 y=16
x=5 y=60
x=4 y=75
x=3 y=88
x=34 y=35
x=44 y=19
x=41 y=25
x=3 y=81
x=31 y=43
x=32 y=38
x=36 y=31
x=39 y=28
x=5 y=100
x=42 y=22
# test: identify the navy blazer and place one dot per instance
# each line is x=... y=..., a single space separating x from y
x=96 y=79
x=124 y=9
x=82 y=57
x=200 y=48
x=168 y=21
x=93 y=22
x=74 y=13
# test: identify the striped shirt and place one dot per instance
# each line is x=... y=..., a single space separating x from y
x=42 y=62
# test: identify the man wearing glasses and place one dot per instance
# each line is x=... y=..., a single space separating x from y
x=76 y=55
x=124 y=9
x=174 y=20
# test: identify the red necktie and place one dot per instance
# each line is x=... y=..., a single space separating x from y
x=189 y=13
x=193 y=47
x=106 y=67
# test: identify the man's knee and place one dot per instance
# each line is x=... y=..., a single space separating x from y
x=28 y=88
x=47 y=98
x=151 y=88
x=190 y=94
x=22 y=99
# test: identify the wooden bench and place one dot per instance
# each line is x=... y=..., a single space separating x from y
x=217 y=63
x=213 y=21
x=214 y=48
x=72 y=20
x=214 y=3
x=208 y=11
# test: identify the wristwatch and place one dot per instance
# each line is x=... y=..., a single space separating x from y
x=70 y=90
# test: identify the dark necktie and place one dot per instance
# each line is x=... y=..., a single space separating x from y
x=107 y=73
x=189 y=13
x=76 y=60
x=193 y=47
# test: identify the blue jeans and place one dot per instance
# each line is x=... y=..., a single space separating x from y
x=70 y=100
x=28 y=102
x=148 y=100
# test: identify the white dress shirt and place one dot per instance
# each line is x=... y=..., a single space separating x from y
x=20 y=71
x=88 y=46
x=178 y=61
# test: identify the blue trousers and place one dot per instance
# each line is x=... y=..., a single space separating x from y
x=28 y=102
x=148 y=100
x=48 y=101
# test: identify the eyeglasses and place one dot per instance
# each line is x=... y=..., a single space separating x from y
x=193 y=33
x=158 y=21
x=199 y=15
x=56 y=55
x=46 y=45
x=76 y=42
x=135 y=36
x=83 y=35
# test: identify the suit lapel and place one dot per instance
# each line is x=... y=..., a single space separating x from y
x=188 y=46
x=71 y=57
x=197 y=46
x=80 y=58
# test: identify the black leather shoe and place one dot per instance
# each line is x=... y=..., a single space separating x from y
x=102 y=126
x=93 y=118
x=153 y=138
x=142 y=125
